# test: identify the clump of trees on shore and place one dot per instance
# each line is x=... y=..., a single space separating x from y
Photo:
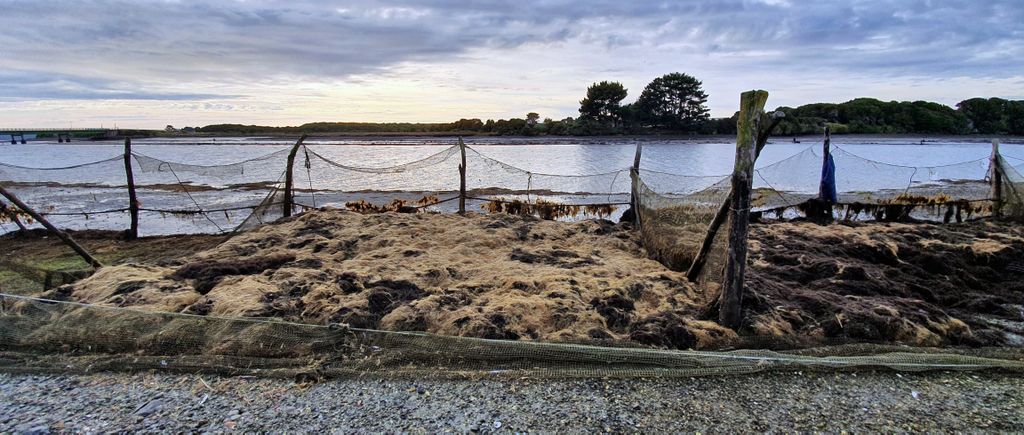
x=676 y=104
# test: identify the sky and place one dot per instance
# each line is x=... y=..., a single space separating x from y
x=146 y=64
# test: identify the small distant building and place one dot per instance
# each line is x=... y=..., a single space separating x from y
x=188 y=130
x=170 y=129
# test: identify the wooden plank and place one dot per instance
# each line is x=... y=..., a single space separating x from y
x=60 y=234
x=289 y=194
x=462 y=178
x=748 y=128
x=133 y=200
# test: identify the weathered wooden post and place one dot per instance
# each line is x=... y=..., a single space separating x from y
x=747 y=130
x=634 y=176
x=723 y=210
x=996 y=179
x=289 y=195
x=462 y=178
x=60 y=234
x=133 y=200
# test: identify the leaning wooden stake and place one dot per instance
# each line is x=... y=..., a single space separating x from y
x=133 y=200
x=723 y=210
x=634 y=175
x=462 y=178
x=60 y=234
x=731 y=301
x=289 y=194
x=996 y=178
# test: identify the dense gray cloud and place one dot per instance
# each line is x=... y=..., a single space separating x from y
x=110 y=49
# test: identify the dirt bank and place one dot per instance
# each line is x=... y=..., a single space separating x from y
x=500 y=276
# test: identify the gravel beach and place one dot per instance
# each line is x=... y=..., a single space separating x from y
x=856 y=401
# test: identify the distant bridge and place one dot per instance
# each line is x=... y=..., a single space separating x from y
x=15 y=135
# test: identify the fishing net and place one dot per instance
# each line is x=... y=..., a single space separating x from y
x=41 y=335
x=79 y=196
x=174 y=198
x=497 y=186
x=870 y=189
x=675 y=213
x=1011 y=189
x=430 y=183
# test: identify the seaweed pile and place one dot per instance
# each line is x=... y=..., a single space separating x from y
x=519 y=277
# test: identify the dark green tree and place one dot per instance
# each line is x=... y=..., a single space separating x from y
x=675 y=101
x=602 y=104
x=987 y=116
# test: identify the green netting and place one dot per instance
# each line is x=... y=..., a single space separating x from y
x=42 y=335
x=1011 y=189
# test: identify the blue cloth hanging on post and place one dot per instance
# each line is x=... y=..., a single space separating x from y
x=827 y=190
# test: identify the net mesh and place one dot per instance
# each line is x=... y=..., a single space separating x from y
x=42 y=335
x=1011 y=189
x=865 y=185
x=174 y=198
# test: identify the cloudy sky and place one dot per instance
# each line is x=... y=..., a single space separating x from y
x=150 y=63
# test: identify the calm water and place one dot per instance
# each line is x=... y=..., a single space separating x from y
x=863 y=165
x=559 y=156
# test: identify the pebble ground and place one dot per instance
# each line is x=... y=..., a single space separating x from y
x=785 y=401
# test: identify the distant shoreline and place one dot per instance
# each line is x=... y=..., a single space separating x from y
x=556 y=139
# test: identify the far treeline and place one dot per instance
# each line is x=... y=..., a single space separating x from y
x=676 y=104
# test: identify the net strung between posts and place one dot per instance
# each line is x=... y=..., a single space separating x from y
x=174 y=198
x=433 y=183
x=866 y=186
x=41 y=335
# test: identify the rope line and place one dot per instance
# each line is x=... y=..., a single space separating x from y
x=837 y=147
x=62 y=168
x=191 y=198
x=242 y=162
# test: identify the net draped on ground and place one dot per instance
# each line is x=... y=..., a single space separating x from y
x=674 y=212
x=41 y=335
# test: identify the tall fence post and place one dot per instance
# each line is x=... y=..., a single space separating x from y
x=996 y=179
x=723 y=210
x=747 y=131
x=133 y=200
x=289 y=194
x=462 y=178
x=60 y=234
x=634 y=176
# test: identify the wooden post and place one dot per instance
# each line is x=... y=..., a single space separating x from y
x=634 y=175
x=747 y=130
x=723 y=210
x=60 y=234
x=996 y=178
x=462 y=178
x=133 y=200
x=289 y=195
